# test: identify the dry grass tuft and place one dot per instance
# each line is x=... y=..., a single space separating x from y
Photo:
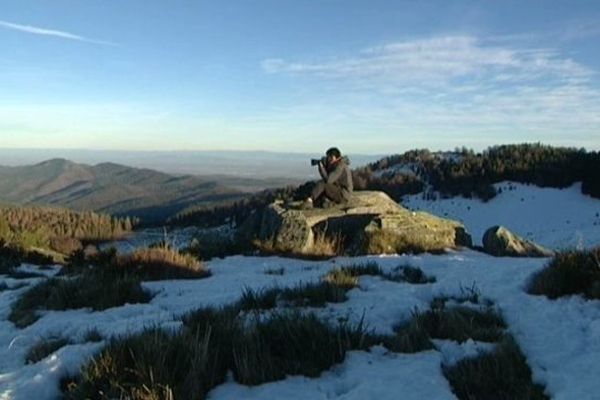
x=341 y=278
x=162 y=262
x=386 y=242
x=327 y=246
x=324 y=246
x=569 y=272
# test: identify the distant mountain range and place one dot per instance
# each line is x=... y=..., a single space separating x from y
x=244 y=165
x=117 y=189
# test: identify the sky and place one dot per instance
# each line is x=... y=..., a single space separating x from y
x=371 y=77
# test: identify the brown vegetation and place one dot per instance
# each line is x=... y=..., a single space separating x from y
x=162 y=262
x=324 y=246
x=569 y=272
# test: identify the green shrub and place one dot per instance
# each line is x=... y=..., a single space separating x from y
x=568 y=273
x=502 y=374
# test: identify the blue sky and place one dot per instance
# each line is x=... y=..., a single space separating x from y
x=367 y=76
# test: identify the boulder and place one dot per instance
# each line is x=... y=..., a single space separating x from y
x=370 y=223
x=499 y=241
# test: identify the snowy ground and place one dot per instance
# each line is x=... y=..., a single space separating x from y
x=555 y=218
x=561 y=339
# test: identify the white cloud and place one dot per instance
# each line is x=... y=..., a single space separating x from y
x=436 y=60
x=50 y=32
x=442 y=89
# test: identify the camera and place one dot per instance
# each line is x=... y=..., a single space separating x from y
x=316 y=161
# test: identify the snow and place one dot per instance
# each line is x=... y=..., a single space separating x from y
x=375 y=375
x=560 y=338
x=555 y=218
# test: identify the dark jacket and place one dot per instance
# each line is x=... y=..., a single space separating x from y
x=339 y=174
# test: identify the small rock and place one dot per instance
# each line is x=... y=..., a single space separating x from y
x=499 y=241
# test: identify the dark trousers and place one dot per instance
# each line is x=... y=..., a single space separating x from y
x=331 y=191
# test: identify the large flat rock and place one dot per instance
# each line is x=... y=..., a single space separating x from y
x=370 y=223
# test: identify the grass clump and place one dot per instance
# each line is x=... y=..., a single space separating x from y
x=162 y=262
x=463 y=323
x=44 y=348
x=323 y=247
x=303 y=295
x=96 y=291
x=502 y=374
x=93 y=335
x=293 y=344
x=275 y=271
x=454 y=323
x=187 y=364
x=468 y=294
x=327 y=245
x=347 y=276
x=387 y=242
x=153 y=365
x=406 y=273
x=342 y=278
x=158 y=262
x=568 y=273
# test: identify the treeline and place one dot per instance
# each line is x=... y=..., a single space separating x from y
x=464 y=172
x=230 y=212
x=461 y=172
x=59 y=230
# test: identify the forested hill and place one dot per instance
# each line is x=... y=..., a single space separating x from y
x=54 y=231
x=464 y=172
x=461 y=172
x=108 y=187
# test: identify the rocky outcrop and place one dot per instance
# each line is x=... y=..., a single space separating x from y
x=370 y=223
x=499 y=241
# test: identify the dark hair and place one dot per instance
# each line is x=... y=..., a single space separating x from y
x=334 y=151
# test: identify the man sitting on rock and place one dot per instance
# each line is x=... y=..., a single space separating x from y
x=336 y=183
